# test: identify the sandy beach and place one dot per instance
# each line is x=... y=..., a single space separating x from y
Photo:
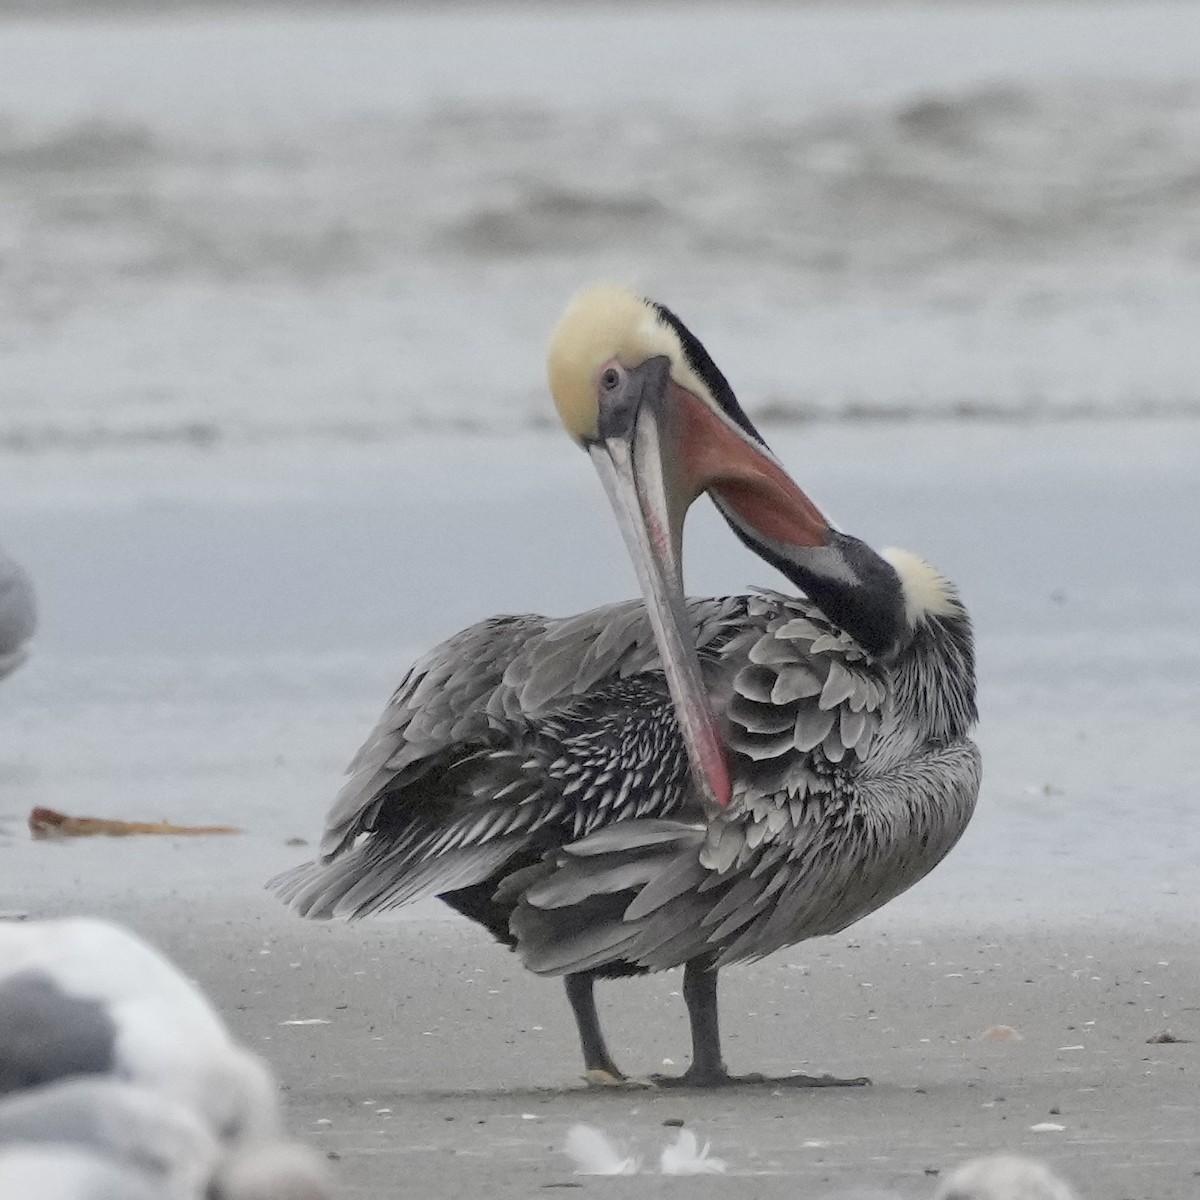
x=437 y=1067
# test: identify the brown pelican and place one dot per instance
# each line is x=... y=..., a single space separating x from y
x=671 y=781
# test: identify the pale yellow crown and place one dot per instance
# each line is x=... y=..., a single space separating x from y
x=601 y=324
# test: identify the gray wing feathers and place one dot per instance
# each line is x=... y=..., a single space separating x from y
x=668 y=900
x=572 y=656
x=824 y=827
x=676 y=878
x=362 y=881
x=806 y=689
x=575 y=917
x=422 y=790
x=587 y=879
x=836 y=807
x=478 y=813
x=443 y=701
x=496 y=676
x=631 y=835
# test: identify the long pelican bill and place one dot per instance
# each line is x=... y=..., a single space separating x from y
x=656 y=447
x=649 y=506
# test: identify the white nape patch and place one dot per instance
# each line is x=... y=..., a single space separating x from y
x=927 y=593
x=601 y=324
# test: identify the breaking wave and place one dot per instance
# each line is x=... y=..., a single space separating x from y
x=989 y=174
x=1007 y=252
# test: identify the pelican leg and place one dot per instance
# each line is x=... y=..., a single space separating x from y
x=599 y=1068
x=700 y=996
x=708 y=1067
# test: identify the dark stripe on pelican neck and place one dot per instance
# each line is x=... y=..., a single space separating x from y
x=700 y=362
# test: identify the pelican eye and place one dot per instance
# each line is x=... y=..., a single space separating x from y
x=610 y=378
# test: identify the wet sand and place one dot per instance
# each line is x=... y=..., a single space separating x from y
x=444 y=1069
x=219 y=637
x=441 y=1068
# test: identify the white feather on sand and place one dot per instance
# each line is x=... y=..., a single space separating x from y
x=594 y=1153
x=686 y=1156
x=1003 y=1177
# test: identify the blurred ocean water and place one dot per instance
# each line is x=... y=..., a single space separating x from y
x=250 y=226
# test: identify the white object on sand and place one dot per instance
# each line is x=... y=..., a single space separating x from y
x=685 y=1156
x=82 y=996
x=1003 y=1177
x=18 y=614
x=67 y=1173
x=273 y=1171
x=594 y=1153
x=133 y=1127
x=109 y=1054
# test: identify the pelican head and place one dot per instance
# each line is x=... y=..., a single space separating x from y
x=627 y=371
x=636 y=389
x=639 y=392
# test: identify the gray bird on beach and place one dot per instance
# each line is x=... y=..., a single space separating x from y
x=81 y=996
x=57 y=1172
x=115 y=1067
x=670 y=781
x=132 y=1127
x=18 y=614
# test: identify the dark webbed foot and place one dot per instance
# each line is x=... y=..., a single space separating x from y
x=708 y=1067
x=693 y=1078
